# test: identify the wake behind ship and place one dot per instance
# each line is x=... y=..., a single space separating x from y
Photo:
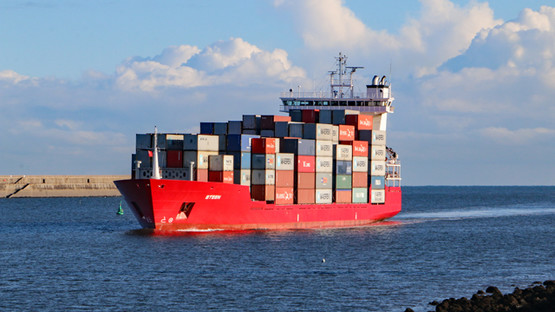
x=325 y=164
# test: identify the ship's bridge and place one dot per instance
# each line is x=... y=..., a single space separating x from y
x=376 y=100
x=373 y=102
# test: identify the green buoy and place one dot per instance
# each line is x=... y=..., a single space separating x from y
x=120 y=210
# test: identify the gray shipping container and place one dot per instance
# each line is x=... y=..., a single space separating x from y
x=324 y=180
x=302 y=147
x=296 y=129
x=285 y=161
x=325 y=116
x=263 y=161
x=324 y=196
x=324 y=164
x=220 y=162
x=267 y=133
x=263 y=177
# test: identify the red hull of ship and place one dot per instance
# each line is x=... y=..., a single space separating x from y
x=174 y=205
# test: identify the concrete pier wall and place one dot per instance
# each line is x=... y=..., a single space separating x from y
x=59 y=185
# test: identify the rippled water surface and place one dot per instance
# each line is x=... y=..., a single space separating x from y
x=77 y=254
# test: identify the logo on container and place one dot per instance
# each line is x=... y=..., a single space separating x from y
x=213 y=197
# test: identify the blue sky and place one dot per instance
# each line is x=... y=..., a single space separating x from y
x=474 y=81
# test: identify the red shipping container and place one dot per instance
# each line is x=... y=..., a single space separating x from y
x=310 y=115
x=305 y=163
x=263 y=145
x=202 y=175
x=360 y=148
x=285 y=178
x=267 y=121
x=360 y=179
x=221 y=176
x=361 y=122
x=346 y=133
x=284 y=195
x=263 y=192
x=343 y=196
x=305 y=180
x=174 y=159
x=306 y=196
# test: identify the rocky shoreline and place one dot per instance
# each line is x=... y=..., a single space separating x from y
x=539 y=297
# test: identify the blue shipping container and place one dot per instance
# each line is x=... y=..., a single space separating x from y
x=241 y=160
x=343 y=167
x=377 y=182
x=240 y=142
x=206 y=128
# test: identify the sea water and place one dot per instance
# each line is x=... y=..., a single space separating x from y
x=76 y=254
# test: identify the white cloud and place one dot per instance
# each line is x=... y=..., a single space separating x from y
x=520 y=136
x=232 y=62
x=441 y=32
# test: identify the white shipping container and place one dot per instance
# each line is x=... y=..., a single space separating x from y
x=377 y=167
x=377 y=196
x=343 y=152
x=377 y=152
x=199 y=158
x=285 y=161
x=378 y=137
x=335 y=134
x=201 y=142
x=318 y=131
x=220 y=163
x=360 y=164
x=263 y=177
x=324 y=196
x=324 y=164
x=324 y=148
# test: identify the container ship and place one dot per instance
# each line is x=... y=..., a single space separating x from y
x=322 y=164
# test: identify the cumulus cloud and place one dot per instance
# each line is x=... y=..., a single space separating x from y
x=519 y=136
x=443 y=30
x=234 y=62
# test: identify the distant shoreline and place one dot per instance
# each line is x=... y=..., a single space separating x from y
x=16 y=186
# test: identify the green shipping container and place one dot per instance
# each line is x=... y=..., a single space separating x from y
x=343 y=181
x=360 y=195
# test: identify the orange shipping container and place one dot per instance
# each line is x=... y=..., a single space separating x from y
x=346 y=133
x=306 y=163
x=202 y=175
x=285 y=178
x=221 y=176
x=360 y=148
x=361 y=122
x=263 y=192
x=306 y=196
x=264 y=145
x=343 y=196
x=284 y=196
x=305 y=180
x=360 y=179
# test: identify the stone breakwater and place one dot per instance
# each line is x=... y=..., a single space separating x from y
x=59 y=185
x=538 y=298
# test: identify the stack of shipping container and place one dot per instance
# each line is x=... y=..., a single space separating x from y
x=308 y=157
